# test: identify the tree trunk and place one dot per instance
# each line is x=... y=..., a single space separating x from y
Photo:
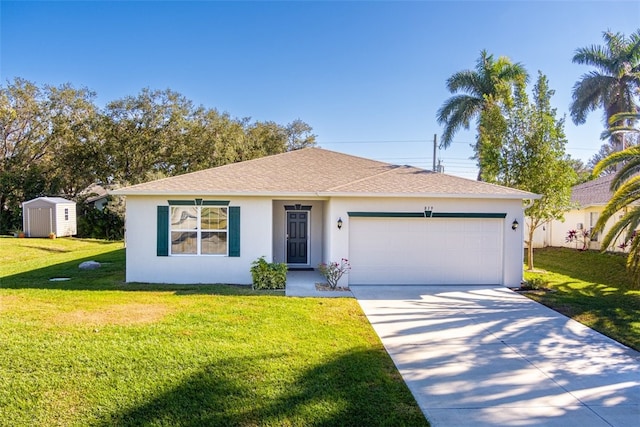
x=530 y=248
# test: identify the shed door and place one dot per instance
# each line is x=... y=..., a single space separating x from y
x=442 y=251
x=40 y=222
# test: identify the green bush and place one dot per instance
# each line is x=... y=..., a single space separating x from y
x=534 y=283
x=107 y=223
x=268 y=275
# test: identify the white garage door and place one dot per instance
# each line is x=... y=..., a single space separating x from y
x=439 y=251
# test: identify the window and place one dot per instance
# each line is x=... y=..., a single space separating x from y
x=66 y=214
x=181 y=226
x=198 y=230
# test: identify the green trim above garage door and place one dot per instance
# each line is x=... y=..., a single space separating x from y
x=426 y=214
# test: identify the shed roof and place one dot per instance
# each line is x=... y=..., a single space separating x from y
x=50 y=200
x=319 y=172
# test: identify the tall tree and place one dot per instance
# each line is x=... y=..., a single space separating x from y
x=490 y=83
x=37 y=125
x=299 y=135
x=55 y=141
x=547 y=169
x=527 y=151
x=77 y=155
x=604 y=152
x=583 y=172
x=142 y=131
x=614 y=85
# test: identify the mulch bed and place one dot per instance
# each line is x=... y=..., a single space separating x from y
x=325 y=287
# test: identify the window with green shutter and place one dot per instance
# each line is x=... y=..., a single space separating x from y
x=209 y=228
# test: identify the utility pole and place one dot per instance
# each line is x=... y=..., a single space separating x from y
x=435 y=141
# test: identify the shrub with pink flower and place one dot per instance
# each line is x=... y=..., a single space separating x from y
x=333 y=271
x=578 y=236
x=625 y=245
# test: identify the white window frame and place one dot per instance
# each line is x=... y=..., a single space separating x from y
x=198 y=230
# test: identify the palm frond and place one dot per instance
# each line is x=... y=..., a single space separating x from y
x=589 y=93
x=633 y=261
x=457 y=113
x=467 y=81
x=512 y=72
x=629 y=117
x=616 y=43
x=595 y=56
x=626 y=195
x=615 y=158
x=629 y=169
x=625 y=226
x=619 y=61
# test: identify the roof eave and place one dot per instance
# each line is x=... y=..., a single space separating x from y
x=216 y=193
x=327 y=194
x=591 y=205
x=437 y=195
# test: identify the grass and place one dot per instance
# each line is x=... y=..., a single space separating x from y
x=592 y=288
x=96 y=351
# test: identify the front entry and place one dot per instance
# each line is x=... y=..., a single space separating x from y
x=297 y=236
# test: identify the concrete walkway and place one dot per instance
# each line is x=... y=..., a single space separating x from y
x=487 y=356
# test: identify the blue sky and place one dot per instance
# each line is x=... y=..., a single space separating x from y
x=367 y=76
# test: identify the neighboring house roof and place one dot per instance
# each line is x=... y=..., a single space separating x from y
x=94 y=192
x=319 y=172
x=52 y=200
x=596 y=192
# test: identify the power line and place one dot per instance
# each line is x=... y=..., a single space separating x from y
x=425 y=141
x=390 y=141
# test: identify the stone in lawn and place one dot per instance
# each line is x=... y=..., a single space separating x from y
x=89 y=265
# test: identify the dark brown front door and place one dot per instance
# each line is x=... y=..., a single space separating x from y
x=297 y=237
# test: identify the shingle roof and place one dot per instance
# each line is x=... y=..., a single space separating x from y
x=94 y=192
x=315 y=171
x=51 y=200
x=594 y=192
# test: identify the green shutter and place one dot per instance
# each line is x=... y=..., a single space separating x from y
x=163 y=231
x=234 y=231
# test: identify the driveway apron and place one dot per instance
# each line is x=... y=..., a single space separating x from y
x=488 y=356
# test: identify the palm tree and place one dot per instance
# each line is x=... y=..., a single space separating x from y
x=491 y=81
x=626 y=186
x=614 y=85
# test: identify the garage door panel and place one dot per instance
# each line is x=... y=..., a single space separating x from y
x=426 y=251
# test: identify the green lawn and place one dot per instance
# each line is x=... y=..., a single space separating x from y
x=96 y=351
x=592 y=288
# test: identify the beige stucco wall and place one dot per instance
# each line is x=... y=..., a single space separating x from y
x=262 y=226
x=143 y=265
x=554 y=233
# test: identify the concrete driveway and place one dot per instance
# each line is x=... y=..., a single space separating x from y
x=487 y=356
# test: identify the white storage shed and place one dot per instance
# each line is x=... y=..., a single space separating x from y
x=45 y=215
